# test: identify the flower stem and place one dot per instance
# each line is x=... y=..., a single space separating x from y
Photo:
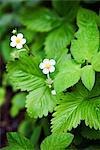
x=27 y=48
x=48 y=76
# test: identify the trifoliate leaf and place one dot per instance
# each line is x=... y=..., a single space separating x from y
x=40 y=20
x=57 y=141
x=88 y=77
x=86 y=42
x=96 y=62
x=17 y=141
x=58 y=40
x=68 y=76
x=76 y=106
x=25 y=73
x=40 y=101
x=66 y=8
x=18 y=103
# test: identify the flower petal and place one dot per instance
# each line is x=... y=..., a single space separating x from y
x=41 y=66
x=13 y=38
x=19 y=46
x=13 y=44
x=20 y=35
x=45 y=71
x=52 y=69
x=23 y=41
x=52 y=62
x=46 y=61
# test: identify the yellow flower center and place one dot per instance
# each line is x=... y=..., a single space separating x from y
x=18 y=40
x=47 y=66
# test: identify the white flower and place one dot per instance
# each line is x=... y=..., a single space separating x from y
x=17 y=41
x=47 y=66
x=53 y=92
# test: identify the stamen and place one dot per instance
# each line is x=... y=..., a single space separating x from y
x=18 y=40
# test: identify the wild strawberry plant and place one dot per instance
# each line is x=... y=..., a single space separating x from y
x=59 y=71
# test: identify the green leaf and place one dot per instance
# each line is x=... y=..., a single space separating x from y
x=66 y=8
x=86 y=17
x=96 y=62
x=36 y=134
x=88 y=77
x=68 y=76
x=18 y=103
x=57 y=141
x=58 y=40
x=2 y=96
x=85 y=45
x=40 y=101
x=28 y=34
x=40 y=20
x=25 y=73
x=76 y=106
x=27 y=123
x=38 y=44
x=17 y=141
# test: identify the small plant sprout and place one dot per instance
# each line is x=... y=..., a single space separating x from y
x=47 y=66
x=17 y=41
x=53 y=92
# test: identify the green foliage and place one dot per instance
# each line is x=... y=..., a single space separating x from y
x=49 y=31
x=37 y=45
x=67 y=77
x=88 y=77
x=25 y=73
x=58 y=39
x=29 y=35
x=5 y=20
x=2 y=96
x=66 y=8
x=96 y=62
x=86 y=17
x=6 y=49
x=40 y=102
x=57 y=141
x=41 y=20
x=35 y=135
x=76 y=106
x=17 y=141
x=18 y=103
x=86 y=42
